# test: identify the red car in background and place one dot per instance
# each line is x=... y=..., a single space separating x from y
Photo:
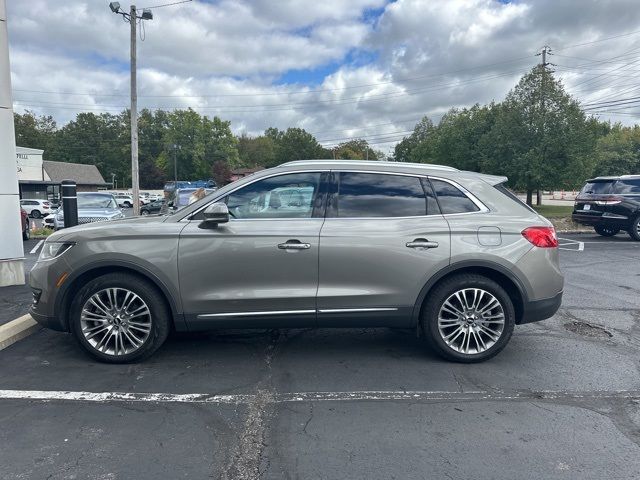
x=26 y=232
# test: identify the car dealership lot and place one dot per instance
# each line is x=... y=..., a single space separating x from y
x=561 y=401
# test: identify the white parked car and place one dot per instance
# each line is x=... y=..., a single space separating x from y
x=37 y=208
x=124 y=201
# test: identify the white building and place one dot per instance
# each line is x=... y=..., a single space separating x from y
x=38 y=178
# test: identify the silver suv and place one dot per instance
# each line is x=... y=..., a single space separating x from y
x=92 y=207
x=451 y=254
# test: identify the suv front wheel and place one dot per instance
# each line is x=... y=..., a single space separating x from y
x=468 y=318
x=119 y=318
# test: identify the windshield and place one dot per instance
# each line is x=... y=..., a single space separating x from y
x=96 y=201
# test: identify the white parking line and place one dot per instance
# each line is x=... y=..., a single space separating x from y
x=369 y=395
x=579 y=246
x=38 y=245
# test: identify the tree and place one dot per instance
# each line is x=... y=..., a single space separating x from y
x=221 y=172
x=257 y=151
x=540 y=137
x=618 y=152
x=295 y=144
x=404 y=151
x=357 y=149
x=33 y=131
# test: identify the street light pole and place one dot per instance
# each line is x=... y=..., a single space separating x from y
x=135 y=186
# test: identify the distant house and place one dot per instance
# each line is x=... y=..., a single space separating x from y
x=40 y=178
x=239 y=173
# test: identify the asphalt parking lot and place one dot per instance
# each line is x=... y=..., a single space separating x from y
x=562 y=401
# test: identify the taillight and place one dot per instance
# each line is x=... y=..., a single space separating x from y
x=543 y=237
x=610 y=200
x=46 y=204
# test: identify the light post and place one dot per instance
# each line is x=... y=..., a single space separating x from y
x=176 y=147
x=132 y=17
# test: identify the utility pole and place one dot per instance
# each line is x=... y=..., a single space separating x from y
x=132 y=17
x=135 y=185
x=546 y=50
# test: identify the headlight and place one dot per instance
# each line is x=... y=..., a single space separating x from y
x=118 y=216
x=54 y=249
x=59 y=216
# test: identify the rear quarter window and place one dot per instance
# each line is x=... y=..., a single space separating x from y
x=629 y=186
x=451 y=199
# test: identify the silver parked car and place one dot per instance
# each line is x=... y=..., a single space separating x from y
x=451 y=254
x=92 y=207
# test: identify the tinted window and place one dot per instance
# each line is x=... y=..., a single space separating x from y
x=628 y=186
x=597 y=188
x=284 y=196
x=378 y=195
x=452 y=199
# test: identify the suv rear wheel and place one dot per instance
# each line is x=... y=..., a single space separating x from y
x=634 y=231
x=35 y=213
x=606 y=231
x=468 y=318
x=119 y=318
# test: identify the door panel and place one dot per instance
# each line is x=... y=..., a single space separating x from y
x=237 y=275
x=260 y=268
x=372 y=269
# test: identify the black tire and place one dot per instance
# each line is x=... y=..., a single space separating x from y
x=160 y=315
x=606 y=231
x=437 y=297
x=144 y=212
x=127 y=205
x=35 y=214
x=26 y=232
x=634 y=231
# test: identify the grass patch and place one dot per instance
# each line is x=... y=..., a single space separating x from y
x=554 y=211
x=41 y=232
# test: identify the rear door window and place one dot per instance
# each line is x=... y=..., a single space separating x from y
x=597 y=188
x=629 y=186
x=451 y=199
x=379 y=195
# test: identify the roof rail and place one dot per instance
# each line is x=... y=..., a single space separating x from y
x=372 y=163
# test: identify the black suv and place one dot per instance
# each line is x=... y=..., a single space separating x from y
x=610 y=204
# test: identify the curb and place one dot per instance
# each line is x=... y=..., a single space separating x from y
x=16 y=330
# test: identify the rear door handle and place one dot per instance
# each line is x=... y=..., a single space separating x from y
x=422 y=243
x=294 y=245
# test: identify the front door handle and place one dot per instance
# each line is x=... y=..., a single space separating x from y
x=294 y=245
x=422 y=243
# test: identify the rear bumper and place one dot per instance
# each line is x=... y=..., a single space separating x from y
x=604 y=220
x=537 y=310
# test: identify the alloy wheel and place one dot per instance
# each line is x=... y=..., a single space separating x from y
x=471 y=321
x=115 y=321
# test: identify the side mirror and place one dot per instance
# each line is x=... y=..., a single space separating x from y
x=214 y=214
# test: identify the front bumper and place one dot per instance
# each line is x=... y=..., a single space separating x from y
x=537 y=310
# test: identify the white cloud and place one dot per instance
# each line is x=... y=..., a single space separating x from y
x=225 y=58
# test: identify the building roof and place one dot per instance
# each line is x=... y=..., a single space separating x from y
x=79 y=172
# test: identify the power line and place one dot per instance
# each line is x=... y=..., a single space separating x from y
x=397 y=80
x=167 y=4
x=597 y=41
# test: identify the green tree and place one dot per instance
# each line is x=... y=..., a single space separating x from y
x=257 y=151
x=295 y=144
x=34 y=131
x=618 y=152
x=357 y=149
x=541 y=137
x=422 y=132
